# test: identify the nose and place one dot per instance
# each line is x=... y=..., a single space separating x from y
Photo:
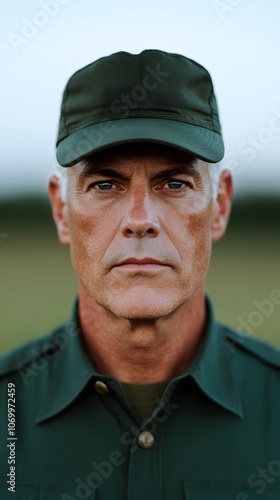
x=140 y=216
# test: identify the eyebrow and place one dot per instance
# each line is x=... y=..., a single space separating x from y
x=189 y=169
x=90 y=169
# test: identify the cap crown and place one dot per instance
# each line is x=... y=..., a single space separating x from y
x=152 y=84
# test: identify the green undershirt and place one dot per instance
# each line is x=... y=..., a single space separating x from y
x=144 y=398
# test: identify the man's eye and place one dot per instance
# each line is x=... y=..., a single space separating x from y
x=174 y=184
x=103 y=185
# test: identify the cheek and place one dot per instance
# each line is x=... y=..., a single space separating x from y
x=194 y=244
x=201 y=233
x=200 y=225
x=89 y=234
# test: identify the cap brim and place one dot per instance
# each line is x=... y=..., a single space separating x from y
x=199 y=141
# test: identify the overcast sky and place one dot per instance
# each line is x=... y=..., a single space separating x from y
x=45 y=41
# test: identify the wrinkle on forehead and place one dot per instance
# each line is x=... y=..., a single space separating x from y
x=151 y=153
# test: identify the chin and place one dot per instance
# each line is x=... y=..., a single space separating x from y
x=135 y=306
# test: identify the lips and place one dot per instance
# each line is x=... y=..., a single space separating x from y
x=140 y=262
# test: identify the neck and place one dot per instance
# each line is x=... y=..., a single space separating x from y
x=142 y=351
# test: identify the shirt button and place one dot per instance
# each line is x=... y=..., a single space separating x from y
x=145 y=440
x=101 y=388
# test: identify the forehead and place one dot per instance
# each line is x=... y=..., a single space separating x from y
x=146 y=154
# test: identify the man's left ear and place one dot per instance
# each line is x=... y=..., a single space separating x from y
x=222 y=205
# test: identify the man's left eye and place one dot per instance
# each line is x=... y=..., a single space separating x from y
x=103 y=185
x=175 y=184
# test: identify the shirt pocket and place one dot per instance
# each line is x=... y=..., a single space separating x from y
x=228 y=490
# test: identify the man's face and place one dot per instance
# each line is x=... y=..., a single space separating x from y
x=140 y=202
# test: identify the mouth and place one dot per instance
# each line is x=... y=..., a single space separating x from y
x=145 y=264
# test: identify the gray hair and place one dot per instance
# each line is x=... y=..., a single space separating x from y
x=214 y=170
x=62 y=174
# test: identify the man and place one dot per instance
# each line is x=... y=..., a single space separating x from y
x=141 y=394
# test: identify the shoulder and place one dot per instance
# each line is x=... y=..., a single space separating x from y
x=34 y=350
x=252 y=347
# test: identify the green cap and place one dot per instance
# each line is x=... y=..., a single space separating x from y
x=153 y=96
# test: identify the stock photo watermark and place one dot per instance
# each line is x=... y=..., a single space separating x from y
x=254 y=144
x=11 y=439
x=224 y=7
x=121 y=108
x=40 y=360
x=30 y=27
x=260 y=480
x=265 y=136
x=262 y=310
x=103 y=470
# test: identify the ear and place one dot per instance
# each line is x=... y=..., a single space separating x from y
x=222 y=205
x=59 y=210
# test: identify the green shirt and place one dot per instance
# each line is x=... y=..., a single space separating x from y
x=214 y=434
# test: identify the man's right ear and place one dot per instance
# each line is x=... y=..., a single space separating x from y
x=59 y=210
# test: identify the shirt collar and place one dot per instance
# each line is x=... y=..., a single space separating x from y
x=70 y=369
x=67 y=373
x=211 y=368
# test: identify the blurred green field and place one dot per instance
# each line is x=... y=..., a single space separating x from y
x=39 y=286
